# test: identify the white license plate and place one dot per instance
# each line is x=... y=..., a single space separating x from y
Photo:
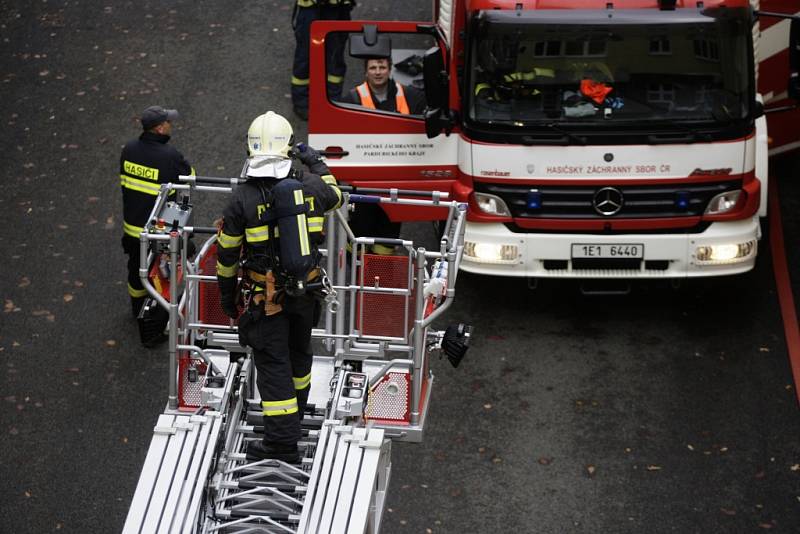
x=616 y=250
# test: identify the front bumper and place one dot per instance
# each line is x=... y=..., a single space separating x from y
x=665 y=255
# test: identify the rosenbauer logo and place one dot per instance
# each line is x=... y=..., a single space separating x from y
x=495 y=172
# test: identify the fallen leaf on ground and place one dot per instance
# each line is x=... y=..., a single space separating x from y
x=653 y=467
x=727 y=511
x=590 y=470
x=68 y=297
x=24 y=282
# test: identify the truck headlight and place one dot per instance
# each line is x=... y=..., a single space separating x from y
x=724 y=202
x=490 y=252
x=492 y=204
x=725 y=254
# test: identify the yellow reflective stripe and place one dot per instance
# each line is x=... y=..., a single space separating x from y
x=331 y=181
x=480 y=87
x=229 y=241
x=299 y=81
x=282 y=407
x=226 y=271
x=302 y=382
x=332 y=78
x=142 y=171
x=131 y=230
x=138 y=293
x=315 y=224
x=528 y=76
x=305 y=248
x=257 y=234
x=306 y=3
x=338 y=195
x=139 y=185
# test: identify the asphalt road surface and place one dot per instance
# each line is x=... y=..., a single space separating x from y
x=661 y=411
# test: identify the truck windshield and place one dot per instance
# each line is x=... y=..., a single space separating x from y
x=639 y=69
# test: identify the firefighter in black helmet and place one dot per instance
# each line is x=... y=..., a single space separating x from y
x=145 y=164
x=277 y=320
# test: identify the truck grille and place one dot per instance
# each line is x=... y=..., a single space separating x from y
x=576 y=202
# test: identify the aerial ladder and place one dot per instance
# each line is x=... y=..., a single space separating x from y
x=371 y=379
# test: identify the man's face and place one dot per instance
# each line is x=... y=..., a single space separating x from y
x=377 y=73
x=165 y=128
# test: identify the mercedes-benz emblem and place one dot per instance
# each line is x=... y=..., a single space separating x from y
x=608 y=201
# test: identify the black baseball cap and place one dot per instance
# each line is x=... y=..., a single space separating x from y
x=155 y=115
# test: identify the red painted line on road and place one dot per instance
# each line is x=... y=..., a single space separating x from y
x=783 y=283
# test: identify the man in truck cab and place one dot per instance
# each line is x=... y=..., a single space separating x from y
x=379 y=91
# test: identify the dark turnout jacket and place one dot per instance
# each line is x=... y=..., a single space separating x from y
x=242 y=224
x=145 y=164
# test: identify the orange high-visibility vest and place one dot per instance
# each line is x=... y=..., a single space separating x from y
x=399 y=100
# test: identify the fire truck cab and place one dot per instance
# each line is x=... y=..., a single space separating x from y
x=591 y=139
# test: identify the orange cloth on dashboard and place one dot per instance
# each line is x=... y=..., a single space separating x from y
x=597 y=91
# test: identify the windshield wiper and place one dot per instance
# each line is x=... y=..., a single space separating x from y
x=531 y=139
x=686 y=135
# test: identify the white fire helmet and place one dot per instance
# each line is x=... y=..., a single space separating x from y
x=269 y=140
x=270 y=134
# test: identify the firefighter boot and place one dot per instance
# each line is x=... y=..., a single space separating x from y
x=259 y=450
x=136 y=305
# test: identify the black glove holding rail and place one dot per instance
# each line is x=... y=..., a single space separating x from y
x=307 y=155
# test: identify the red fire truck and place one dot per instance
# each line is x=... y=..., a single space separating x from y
x=591 y=138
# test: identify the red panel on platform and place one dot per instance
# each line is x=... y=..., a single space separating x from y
x=209 y=310
x=382 y=314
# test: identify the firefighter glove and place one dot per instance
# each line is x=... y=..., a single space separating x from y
x=307 y=155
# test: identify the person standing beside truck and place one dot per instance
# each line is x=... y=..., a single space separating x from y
x=306 y=12
x=145 y=164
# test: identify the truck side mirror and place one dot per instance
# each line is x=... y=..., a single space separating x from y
x=794 y=60
x=437 y=93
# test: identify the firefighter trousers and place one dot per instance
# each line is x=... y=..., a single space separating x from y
x=282 y=355
x=334 y=52
x=136 y=290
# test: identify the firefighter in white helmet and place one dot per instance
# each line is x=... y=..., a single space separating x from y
x=272 y=227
